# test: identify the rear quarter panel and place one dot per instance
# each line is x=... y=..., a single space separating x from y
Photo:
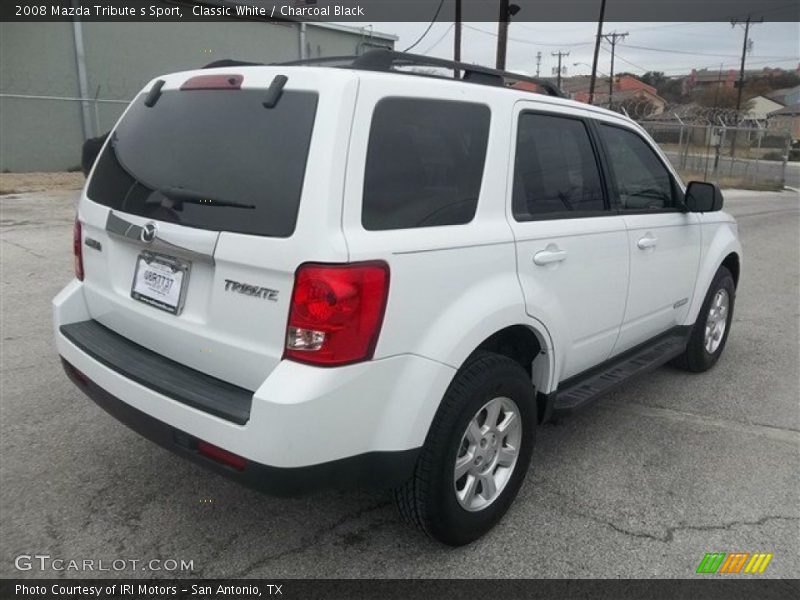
x=451 y=287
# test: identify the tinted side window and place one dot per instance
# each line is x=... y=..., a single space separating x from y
x=555 y=170
x=424 y=163
x=642 y=180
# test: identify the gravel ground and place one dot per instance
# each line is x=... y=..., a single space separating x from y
x=19 y=183
x=641 y=484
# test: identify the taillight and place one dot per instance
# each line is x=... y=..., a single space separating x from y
x=77 y=249
x=336 y=312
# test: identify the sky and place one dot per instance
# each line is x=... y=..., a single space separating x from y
x=673 y=48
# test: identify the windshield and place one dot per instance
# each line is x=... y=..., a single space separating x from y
x=233 y=164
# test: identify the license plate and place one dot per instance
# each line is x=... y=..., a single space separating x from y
x=160 y=281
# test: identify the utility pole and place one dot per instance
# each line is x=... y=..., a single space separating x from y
x=612 y=38
x=538 y=62
x=596 y=51
x=559 y=54
x=740 y=83
x=507 y=10
x=457 y=36
x=502 y=35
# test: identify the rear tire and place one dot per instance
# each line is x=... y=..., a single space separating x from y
x=485 y=429
x=712 y=327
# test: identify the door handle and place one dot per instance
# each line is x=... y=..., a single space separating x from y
x=547 y=257
x=648 y=241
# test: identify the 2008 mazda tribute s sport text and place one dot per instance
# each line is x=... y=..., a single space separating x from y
x=344 y=274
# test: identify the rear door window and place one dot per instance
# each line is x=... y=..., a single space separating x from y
x=555 y=170
x=424 y=163
x=211 y=159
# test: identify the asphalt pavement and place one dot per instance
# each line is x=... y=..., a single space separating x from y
x=641 y=484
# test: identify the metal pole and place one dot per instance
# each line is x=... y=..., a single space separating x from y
x=596 y=50
x=301 y=42
x=96 y=112
x=786 y=149
x=719 y=146
x=83 y=81
x=758 y=153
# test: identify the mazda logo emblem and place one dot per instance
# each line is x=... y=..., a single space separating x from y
x=148 y=233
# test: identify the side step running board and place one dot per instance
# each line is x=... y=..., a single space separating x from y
x=576 y=392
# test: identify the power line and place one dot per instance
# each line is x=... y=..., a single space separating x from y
x=435 y=16
x=528 y=42
x=689 y=53
x=646 y=48
x=625 y=60
x=696 y=67
x=439 y=41
x=687 y=68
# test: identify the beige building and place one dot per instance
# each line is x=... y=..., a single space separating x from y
x=786 y=119
x=759 y=107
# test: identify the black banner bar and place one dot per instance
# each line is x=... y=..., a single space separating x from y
x=357 y=11
x=705 y=586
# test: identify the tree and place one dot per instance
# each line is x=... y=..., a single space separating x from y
x=761 y=85
x=669 y=88
x=717 y=97
x=654 y=78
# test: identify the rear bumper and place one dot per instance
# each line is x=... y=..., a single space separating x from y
x=369 y=470
x=356 y=426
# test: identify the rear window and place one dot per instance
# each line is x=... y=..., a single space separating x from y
x=211 y=159
x=424 y=163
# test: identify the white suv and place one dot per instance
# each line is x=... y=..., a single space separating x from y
x=347 y=275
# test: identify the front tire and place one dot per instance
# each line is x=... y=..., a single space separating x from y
x=712 y=327
x=476 y=454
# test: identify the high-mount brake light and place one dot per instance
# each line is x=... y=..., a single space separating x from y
x=336 y=312
x=214 y=82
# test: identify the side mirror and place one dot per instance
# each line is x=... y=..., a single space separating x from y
x=702 y=196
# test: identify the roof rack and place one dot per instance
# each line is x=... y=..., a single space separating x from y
x=390 y=60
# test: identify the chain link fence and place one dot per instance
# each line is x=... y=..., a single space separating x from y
x=46 y=132
x=718 y=145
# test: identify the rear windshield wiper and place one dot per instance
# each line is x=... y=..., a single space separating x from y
x=174 y=198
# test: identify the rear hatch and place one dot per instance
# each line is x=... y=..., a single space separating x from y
x=207 y=196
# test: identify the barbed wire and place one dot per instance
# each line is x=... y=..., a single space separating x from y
x=692 y=114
